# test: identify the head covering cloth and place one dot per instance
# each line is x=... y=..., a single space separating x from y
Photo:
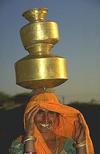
x=49 y=101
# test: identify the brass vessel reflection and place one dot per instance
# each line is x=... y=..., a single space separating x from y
x=41 y=68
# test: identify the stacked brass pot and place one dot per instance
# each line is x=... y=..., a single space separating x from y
x=41 y=68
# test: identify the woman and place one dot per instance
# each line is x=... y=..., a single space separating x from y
x=52 y=128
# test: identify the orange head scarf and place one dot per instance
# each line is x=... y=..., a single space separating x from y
x=49 y=101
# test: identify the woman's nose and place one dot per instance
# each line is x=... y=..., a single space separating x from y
x=45 y=117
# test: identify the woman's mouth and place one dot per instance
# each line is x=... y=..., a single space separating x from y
x=44 y=125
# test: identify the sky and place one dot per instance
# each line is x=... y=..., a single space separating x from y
x=79 y=25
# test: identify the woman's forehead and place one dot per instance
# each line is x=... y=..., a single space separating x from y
x=45 y=110
x=42 y=109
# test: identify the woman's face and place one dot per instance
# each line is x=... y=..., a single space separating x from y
x=46 y=120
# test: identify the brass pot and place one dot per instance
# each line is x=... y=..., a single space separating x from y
x=40 y=68
x=48 y=71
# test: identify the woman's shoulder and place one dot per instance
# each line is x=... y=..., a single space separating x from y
x=69 y=146
x=17 y=146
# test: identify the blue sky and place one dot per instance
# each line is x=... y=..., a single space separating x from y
x=79 y=25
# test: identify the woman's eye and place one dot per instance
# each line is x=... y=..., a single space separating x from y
x=51 y=112
x=40 y=111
